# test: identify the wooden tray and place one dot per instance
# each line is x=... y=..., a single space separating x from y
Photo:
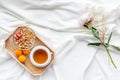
x=10 y=48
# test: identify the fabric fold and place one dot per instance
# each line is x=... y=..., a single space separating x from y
x=60 y=24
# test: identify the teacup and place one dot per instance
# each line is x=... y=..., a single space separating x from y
x=40 y=56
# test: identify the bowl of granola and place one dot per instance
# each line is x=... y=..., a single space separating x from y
x=24 y=38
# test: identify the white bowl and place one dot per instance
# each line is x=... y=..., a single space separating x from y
x=34 y=62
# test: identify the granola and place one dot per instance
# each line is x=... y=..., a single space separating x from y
x=24 y=38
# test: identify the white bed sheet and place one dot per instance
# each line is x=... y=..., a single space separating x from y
x=59 y=24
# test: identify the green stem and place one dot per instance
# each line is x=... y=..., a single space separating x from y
x=89 y=26
x=108 y=51
x=110 y=57
x=105 y=46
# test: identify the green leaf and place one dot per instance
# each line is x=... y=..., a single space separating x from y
x=98 y=44
x=109 y=38
x=95 y=32
x=115 y=47
x=94 y=28
x=95 y=44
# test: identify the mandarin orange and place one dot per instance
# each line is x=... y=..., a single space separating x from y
x=18 y=52
x=26 y=52
x=22 y=58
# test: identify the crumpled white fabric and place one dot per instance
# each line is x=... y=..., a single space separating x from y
x=59 y=22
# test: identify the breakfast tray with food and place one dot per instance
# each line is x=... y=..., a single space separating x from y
x=29 y=50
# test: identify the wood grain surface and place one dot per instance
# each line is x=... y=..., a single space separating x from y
x=10 y=48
